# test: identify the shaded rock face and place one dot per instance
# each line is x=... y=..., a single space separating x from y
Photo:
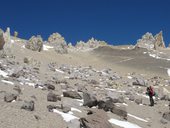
x=149 y=41
x=159 y=42
x=72 y=94
x=58 y=42
x=35 y=43
x=89 y=100
x=97 y=119
x=2 y=41
x=28 y=105
x=120 y=111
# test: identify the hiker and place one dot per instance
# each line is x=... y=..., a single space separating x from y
x=150 y=92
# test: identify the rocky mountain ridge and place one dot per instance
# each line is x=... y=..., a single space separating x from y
x=50 y=84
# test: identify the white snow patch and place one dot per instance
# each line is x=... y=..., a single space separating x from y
x=115 y=90
x=138 y=118
x=30 y=84
x=8 y=82
x=144 y=52
x=47 y=47
x=66 y=116
x=4 y=74
x=130 y=77
x=124 y=124
x=12 y=41
x=125 y=104
x=23 y=46
x=168 y=71
x=57 y=70
x=75 y=109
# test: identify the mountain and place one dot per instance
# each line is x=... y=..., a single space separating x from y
x=50 y=84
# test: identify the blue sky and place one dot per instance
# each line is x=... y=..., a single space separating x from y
x=115 y=21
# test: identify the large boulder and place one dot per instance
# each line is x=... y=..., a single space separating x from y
x=35 y=43
x=89 y=100
x=2 y=40
x=58 y=42
x=97 y=119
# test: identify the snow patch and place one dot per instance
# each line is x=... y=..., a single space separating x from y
x=4 y=74
x=168 y=71
x=75 y=109
x=66 y=116
x=129 y=77
x=138 y=118
x=8 y=82
x=57 y=70
x=124 y=124
x=46 y=47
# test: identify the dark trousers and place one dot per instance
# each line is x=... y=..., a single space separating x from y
x=151 y=101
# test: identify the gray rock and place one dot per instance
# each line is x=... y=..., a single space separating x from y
x=163 y=121
x=98 y=119
x=166 y=116
x=35 y=43
x=9 y=97
x=28 y=105
x=138 y=101
x=139 y=82
x=120 y=111
x=50 y=86
x=105 y=105
x=89 y=100
x=53 y=97
x=72 y=94
x=131 y=97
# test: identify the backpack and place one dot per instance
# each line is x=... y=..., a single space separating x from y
x=151 y=91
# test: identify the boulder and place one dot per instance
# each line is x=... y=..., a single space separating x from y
x=58 y=42
x=166 y=116
x=138 y=101
x=53 y=97
x=50 y=86
x=139 y=82
x=98 y=119
x=2 y=40
x=28 y=105
x=89 y=100
x=120 y=111
x=35 y=43
x=9 y=97
x=105 y=105
x=72 y=94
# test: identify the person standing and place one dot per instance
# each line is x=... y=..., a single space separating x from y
x=150 y=93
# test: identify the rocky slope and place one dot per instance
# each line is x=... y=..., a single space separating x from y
x=91 y=85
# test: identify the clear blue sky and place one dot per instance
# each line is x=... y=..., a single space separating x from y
x=115 y=21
